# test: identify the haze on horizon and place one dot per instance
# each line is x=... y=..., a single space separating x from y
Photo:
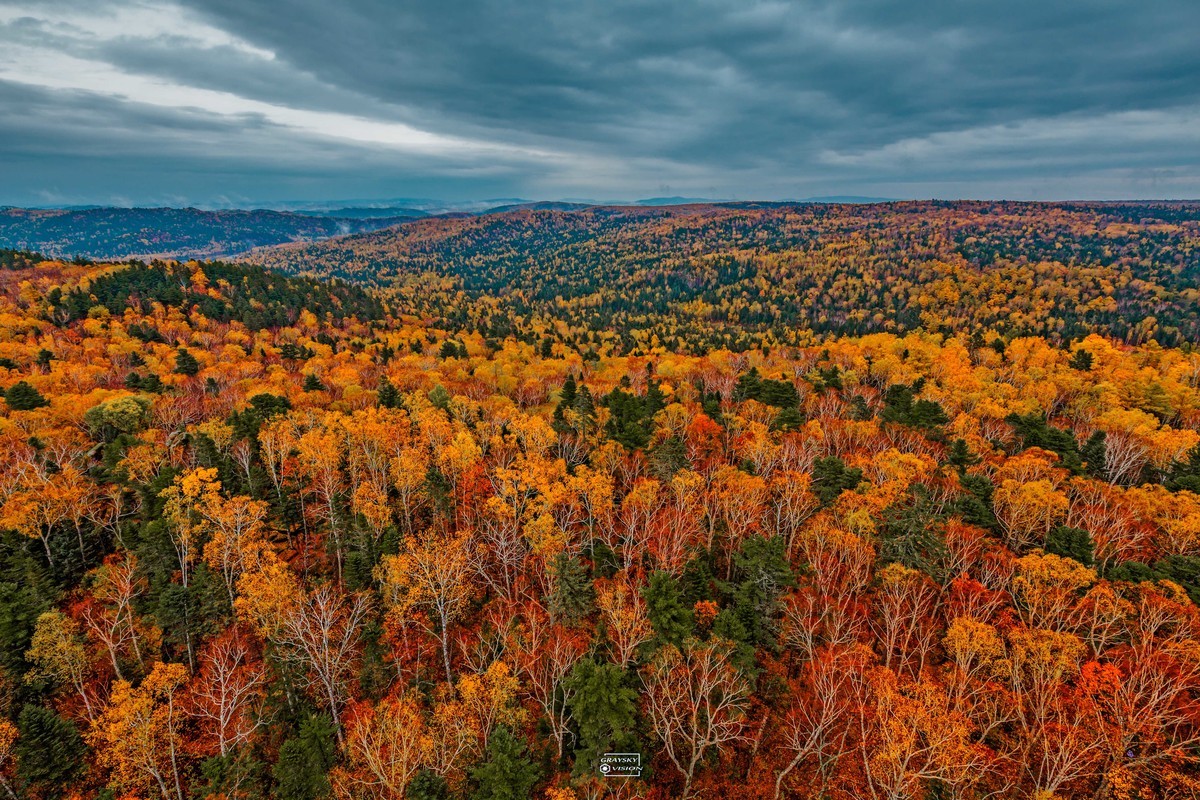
x=232 y=102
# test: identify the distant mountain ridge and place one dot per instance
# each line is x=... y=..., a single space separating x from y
x=788 y=270
x=124 y=233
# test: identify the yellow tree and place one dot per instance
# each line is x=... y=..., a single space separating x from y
x=8 y=738
x=320 y=452
x=1048 y=588
x=189 y=492
x=316 y=629
x=1027 y=511
x=408 y=470
x=58 y=654
x=625 y=619
x=911 y=736
x=385 y=747
x=433 y=574
x=137 y=736
x=237 y=541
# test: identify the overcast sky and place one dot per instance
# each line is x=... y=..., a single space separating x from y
x=248 y=101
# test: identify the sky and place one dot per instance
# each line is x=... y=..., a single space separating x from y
x=253 y=102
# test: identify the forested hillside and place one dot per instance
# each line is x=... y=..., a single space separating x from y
x=272 y=537
x=121 y=233
x=703 y=277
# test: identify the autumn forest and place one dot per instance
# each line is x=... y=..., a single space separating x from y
x=794 y=501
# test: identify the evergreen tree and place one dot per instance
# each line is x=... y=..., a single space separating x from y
x=1081 y=360
x=388 y=396
x=960 y=456
x=1073 y=543
x=763 y=574
x=1036 y=431
x=185 y=363
x=585 y=407
x=508 y=773
x=312 y=383
x=49 y=750
x=831 y=477
x=268 y=405
x=604 y=709
x=859 y=410
x=221 y=776
x=656 y=401
x=747 y=386
x=566 y=399
x=1092 y=454
x=153 y=384
x=671 y=619
x=569 y=392
x=976 y=505
x=301 y=772
x=440 y=397
x=23 y=397
x=572 y=597
x=913 y=533
x=427 y=785
x=900 y=406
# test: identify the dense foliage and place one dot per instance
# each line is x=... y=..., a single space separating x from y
x=737 y=277
x=256 y=297
x=122 y=233
x=19 y=259
x=346 y=552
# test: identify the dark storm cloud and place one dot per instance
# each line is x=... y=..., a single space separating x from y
x=73 y=147
x=611 y=99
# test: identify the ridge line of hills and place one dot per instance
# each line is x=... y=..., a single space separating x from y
x=115 y=233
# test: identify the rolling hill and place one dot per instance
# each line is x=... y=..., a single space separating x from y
x=121 y=233
x=739 y=275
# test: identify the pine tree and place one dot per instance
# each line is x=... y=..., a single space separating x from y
x=764 y=573
x=313 y=384
x=1092 y=453
x=427 y=785
x=388 y=396
x=508 y=773
x=304 y=761
x=585 y=407
x=747 y=386
x=604 y=709
x=49 y=750
x=1073 y=543
x=671 y=619
x=440 y=397
x=1081 y=360
x=152 y=383
x=831 y=477
x=23 y=397
x=572 y=597
x=566 y=398
x=960 y=456
x=185 y=363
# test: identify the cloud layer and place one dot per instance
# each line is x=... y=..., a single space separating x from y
x=245 y=101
